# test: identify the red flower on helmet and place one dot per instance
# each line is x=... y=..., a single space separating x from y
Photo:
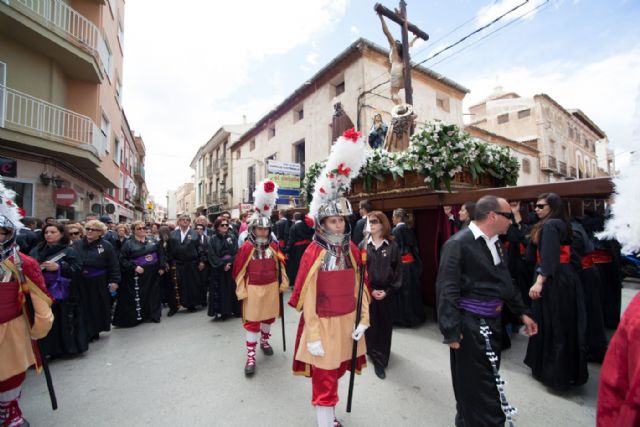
x=342 y=170
x=9 y=202
x=308 y=220
x=352 y=134
x=22 y=212
x=330 y=175
x=322 y=190
x=265 y=207
x=269 y=186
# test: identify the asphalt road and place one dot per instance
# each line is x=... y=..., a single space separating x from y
x=188 y=371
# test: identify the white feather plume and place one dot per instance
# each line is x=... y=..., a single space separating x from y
x=264 y=201
x=8 y=207
x=624 y=224
x=347 y=157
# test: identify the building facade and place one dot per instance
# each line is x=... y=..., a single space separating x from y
x=565 y=139
x=299 y=129
x=212 y=166
x=185 y=199
x=62 y=125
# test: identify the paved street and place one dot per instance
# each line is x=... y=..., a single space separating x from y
x=188 y=370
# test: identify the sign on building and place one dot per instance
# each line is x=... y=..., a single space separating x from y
x=287 y=176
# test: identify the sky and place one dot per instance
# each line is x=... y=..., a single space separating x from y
x=189 y=70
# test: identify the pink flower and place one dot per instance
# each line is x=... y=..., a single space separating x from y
x=342 y=170
x=269 y=186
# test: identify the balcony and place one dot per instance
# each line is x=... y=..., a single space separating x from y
x=562 y=168
x=573 y=173
x=548 y=163
x=60 y=32
x=27 y=122
x=212 y=199
x=215 y=166
x=138 y=172
x=224 y=164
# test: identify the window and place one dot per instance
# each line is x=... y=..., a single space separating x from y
x=112 y=7
x=117 y=150
x=238 y=155
x=251 y=182
x=338 y=87
x=108 y=69
x=524 y=113
x=105 y=127
x=3 y=79
x=298 y=156
x=118 y=91
x=442 y=102
x=503 y=118
x=298 y=114
x=121 y=189
x=526 y=166
x=252 y=145
x=271 y=132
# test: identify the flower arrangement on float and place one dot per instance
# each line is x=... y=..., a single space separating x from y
x=439 y=154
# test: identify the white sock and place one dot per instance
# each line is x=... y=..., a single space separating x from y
x=265 y=327
x=324 y=415
x=252 y=336
x=10 y=395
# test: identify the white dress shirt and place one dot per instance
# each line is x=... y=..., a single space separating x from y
x=491 y=242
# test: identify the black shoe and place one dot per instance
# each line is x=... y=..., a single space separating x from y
x=249 y=370
x=155 y=320
x=267 y=350
x=192 y=309
x=379 y=372
x=172 y=311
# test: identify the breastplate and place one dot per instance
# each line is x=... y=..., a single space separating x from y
x=262 y=252
x=336 y=258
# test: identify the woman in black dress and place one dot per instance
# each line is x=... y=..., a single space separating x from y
x=385 y=275
x=557 y=354
x=223 y=246
x=60 y=265
x=99 y=276
x=138 y=294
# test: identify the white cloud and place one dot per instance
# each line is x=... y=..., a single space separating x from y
x=312 y=58
x=182 y=63
x=354 y=30
x=491 y=11
x=607 y=90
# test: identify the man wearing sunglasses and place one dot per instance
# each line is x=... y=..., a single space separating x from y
x=473 y=284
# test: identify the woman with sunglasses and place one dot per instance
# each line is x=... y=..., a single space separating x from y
x=221 y=252
x=557 y=354
x=138 y=294
x=60 y=265
x=75 y=232
x=385 y=275
x=99 y=276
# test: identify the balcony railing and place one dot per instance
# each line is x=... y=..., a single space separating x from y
x=548 y=163
x=40 y=118
x=212 y=199
x=139 y=171
x=573 y=172
x=215 y=165
x=60 y=17
x=562 y=168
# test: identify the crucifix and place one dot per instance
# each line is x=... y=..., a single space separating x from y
x=399 y=51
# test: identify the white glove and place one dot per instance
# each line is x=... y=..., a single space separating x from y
x=315 y=348
x=359 y=332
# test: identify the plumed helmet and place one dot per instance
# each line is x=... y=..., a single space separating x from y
x=264 y=202
x=347 y=156
x=10 y=216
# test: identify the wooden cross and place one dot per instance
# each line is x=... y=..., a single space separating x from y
x=400 y=18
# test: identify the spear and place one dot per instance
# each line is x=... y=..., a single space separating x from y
x=354 y=349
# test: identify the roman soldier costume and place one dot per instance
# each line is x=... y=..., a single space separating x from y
x=25 y=312
x=260 y=275
x=327 y=285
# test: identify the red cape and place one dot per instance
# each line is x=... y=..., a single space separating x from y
x=619 y=391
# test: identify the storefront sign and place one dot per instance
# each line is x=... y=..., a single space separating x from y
x=65 y=196
x=287 y=176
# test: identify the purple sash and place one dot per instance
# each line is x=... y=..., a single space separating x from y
x=57 y=285
x=226 y=258
x=482 y=308
x=144 y=260
x=92 y=272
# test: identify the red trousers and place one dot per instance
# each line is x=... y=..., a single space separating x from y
x=13 y=382
x=325 y=385
x=255 y=326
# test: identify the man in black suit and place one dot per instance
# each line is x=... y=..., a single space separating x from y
x=358 y=231
x=282 y=228
x=473 y=283
x=187 y=259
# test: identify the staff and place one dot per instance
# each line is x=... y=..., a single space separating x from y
x=354 y=350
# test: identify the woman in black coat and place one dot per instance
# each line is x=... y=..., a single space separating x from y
x=221 y=253
x=99 y=276
x=60 y=265
x=138 y=294
x=557 y=355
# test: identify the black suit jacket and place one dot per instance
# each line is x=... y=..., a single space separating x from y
x=358 y=231
x=467 y=270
